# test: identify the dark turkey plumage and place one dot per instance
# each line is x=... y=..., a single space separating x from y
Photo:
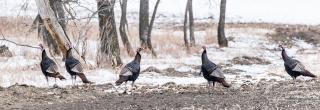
x=48 y=67
x=211 y=72
x=131 y=71
x=74 y=67
x=294 y=67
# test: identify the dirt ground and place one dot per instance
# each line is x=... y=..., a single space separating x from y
x=299 y=94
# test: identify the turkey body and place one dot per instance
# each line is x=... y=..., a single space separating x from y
x=211 y=72
x=294 y=67
x=74 y=67
x=49 y=68
x=131 y=71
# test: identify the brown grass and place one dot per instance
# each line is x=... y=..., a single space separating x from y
x=168 y=40
x=210 y=37
x=17 y=26
x=285 y=35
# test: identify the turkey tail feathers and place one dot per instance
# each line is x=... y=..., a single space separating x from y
x=307 y=73
x=83 y=78
x=61 y=77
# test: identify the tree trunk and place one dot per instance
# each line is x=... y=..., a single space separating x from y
x=150 y=28
x=223 y=42
x=109 y=52
x=185 y=34
x=122 y=28
x=57 y=7
x=192 y=40
x=52 y=25
x=144 y=22
x=47 y=38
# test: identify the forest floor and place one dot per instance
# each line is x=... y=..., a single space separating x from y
x=303 y=95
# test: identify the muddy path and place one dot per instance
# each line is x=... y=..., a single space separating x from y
x=263 y=95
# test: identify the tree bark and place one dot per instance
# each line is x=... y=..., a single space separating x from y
x=52 y=25
x=109 y=51
x=144 y=22
x=150 y=29
x=47 y=38
x=57 y=7
x=185 y=34
x=123 y=27
x=223 y=42
x=192 y=40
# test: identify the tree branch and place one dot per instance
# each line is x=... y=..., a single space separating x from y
x=22 y=45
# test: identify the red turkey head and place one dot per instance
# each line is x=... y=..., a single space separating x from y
x=41 y=46
x=204 y=47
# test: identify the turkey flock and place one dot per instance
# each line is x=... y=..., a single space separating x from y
x=130 y=72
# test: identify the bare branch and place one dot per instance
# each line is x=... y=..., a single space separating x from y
x=69 y=11
x=22 y=45
x=24 y=7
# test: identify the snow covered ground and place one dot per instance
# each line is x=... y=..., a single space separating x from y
x=247 y=42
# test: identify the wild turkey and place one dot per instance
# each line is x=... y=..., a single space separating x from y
x=211 y=72
x=74 y=68
x=48 y=67
x=131 y=71
x=294 y=67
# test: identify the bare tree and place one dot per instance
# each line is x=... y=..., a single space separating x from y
x=192 y=40
x=51 y=24
x=47 y=38
x=145 y=28
x=109 y=52
x=123 y=27
x=188 y=16
x=150 y=28
x=223 y=42
x=56 y=6
x=185 y=34
x=144 y=22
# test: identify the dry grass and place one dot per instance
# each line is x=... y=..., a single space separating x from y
x=211 y=37
x=286 y=35
x=17 y=26
x=167 y=41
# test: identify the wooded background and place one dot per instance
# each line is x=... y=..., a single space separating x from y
x=51 y=24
